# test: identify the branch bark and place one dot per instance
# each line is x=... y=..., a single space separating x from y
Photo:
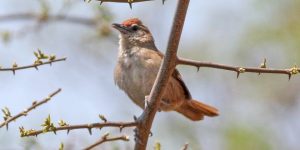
x=166 y=69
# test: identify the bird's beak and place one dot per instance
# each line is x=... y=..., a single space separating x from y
x=120 y=28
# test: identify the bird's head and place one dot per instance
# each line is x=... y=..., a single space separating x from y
x=134 y=32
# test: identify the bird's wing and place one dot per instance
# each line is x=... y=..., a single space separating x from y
x=178 y=77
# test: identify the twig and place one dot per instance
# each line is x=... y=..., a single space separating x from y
x=130 y=2
x=165 y=72
x=59 y=17
x=238 y=70
x=36 y=65
x=105 y=138
x=25 y=112
x=68 y=128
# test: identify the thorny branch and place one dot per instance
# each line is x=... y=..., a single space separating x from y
x=106 y=138
x=39 y=17
x=49 y=127
x=40 y=56
x=262 y=69
x=15 y=67
x=8 y=118
x=130 y=2
x=124 y=1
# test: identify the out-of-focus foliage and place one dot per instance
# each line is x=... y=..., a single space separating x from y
x=279 y=28
x=239 y=137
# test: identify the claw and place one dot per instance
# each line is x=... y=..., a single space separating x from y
x=147 y=102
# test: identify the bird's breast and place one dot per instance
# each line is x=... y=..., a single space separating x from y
x=138 y=75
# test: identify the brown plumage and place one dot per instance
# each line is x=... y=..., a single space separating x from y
x=138 y=64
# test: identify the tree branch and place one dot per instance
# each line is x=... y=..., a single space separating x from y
x=68 y=128
x=105 y=138
x=35 y=65
x=124 y=1
x=166 y=69
x=39 y=17
x=292 y=71
x=26 y=111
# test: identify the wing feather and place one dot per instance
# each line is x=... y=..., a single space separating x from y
x=178 y=77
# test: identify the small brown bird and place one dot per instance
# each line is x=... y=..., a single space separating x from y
x=138 y=64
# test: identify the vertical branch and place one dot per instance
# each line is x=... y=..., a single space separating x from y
x=166 y=69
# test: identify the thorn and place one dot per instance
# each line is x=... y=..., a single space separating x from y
x=290 y=76
x=54 y=132
x=101 y=2
x=198 y=68
x=50 y=63
x=90 y=130
x=68 y=131
x=14 y=71
x=130 y=5
x=237 y=75
x=36 y=68
x=134 y=118
x=6 y=126
x=121 y=128
x=163 y=2
x=150 y=134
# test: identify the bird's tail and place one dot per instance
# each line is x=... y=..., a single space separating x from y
x=196 y=110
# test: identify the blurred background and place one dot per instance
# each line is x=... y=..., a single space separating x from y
x=256 y=111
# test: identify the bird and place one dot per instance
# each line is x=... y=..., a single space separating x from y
x=138 y=63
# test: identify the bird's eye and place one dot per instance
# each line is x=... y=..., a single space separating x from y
x=134 y=27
